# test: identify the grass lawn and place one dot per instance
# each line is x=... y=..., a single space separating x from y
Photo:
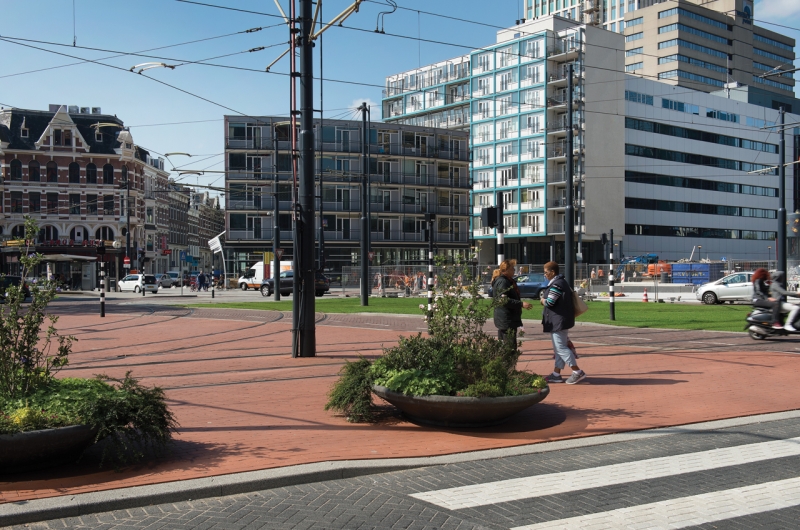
x=638 y=315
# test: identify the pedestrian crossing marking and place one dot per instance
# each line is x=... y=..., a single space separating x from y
x=688 y=511
x=581 y=479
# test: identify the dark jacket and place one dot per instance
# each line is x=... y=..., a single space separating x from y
x=760 y=290
x=559 y=312
x=508 y=315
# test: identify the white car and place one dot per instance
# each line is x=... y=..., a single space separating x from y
x=133 y=282
x=165 y=280
x=737 y=287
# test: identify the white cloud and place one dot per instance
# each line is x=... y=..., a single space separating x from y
x=776 y=11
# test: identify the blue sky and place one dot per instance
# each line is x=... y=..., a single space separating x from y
x=357 y=56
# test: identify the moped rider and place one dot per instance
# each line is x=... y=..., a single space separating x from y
x=763 y=298
x=780 y=294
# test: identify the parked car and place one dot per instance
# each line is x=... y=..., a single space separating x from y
x=133 y=282
x=530 y=285
x=175 y=276
x=731 y=288
x=164 y=280
x=8 y=281
x=322 y=284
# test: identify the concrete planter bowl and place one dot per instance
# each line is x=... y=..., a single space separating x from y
x=31 y=450
x=453 y=411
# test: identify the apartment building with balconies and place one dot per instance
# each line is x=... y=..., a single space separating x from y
x=518 y=113
x=411 y=170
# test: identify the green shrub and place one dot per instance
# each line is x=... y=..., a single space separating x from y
x=456 y=358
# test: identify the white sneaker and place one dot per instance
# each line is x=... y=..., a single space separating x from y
x=789 y=327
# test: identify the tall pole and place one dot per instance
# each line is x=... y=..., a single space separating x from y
x=305 y=298
x=612 y=314
x=102 y=287
x=128 y=216
x=569 y=213
x=276 y=229
x=430 y=218
x=364 y=216
x=501 y=247
x=782 y=194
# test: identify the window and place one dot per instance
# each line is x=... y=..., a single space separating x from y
x=24 y=132
x=98 y=136
x=124 y=173
x=74 y=172
x=773 y=83
x=52 y=204
x=16 y=202
x=149 y=216
x=108 y=205
x=680 y=106
x=108 y=174
x=692 y=46
x=56 y=136
x=34 y=201
x=693 y=31
x=700 y=18
x=684 y=231
x=33 y=171
x=636 y=97
x=67 y=138
x=692 y=60
x=52 y=172
x=695 y=159
x=699 y=208
x=691 y=77
x=48 y=233
x=91 y=174
x=635 y=36
x=74 y=204
x=15 y=171
x=771 y=42
x=634 y=66
x=91 y=204
x=635 y=21
x=700 y=136
x=634 y=51
x=105 y=233
x=722 y=115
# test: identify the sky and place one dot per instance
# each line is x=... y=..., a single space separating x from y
x=157 y=114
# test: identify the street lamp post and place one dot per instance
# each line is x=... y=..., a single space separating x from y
x=769 y=253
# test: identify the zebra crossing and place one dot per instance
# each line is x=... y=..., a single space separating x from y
x=743 y=475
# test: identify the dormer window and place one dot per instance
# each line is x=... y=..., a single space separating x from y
x=67 y=138
x=98 y=136
x=24 y=133
x=56 y=136
x=128 y=146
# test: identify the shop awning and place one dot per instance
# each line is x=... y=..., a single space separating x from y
x=67 y=257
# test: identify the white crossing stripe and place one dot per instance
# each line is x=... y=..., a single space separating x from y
x=688 y=511
x=597 y=477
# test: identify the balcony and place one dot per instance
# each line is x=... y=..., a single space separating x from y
x=530 y=205
x=559 y=202
x=530 y=230
x=531 y=181
x=263 y=204
x=483 y=231
x=248 y=143
x=354 y=234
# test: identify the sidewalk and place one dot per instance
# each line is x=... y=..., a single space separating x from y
x=244 y=404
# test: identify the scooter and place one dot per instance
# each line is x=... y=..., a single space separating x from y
x=759 y=325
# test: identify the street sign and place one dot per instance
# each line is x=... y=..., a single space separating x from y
x=279 y=253
x=126 y=262
x=167 y=251
x=182 y=255
x=371 y=255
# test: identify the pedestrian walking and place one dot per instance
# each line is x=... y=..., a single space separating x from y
x=557 y=318
x=201 y=281
x=508 y=314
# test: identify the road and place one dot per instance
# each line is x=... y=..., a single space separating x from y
x=744 y=476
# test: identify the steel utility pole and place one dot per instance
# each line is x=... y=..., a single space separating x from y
x=611 y=310
x=569 y=212
x=782 y=195
x=364 y=202
x=501 y=247
x=276 y=229
x=306 y=342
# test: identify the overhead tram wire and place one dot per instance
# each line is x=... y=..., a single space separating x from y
x=123 y=54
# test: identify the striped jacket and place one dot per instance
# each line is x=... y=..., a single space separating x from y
x=559 y=313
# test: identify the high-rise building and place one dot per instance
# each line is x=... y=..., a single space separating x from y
x=412 y=171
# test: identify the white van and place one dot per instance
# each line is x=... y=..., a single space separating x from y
x=252 y=278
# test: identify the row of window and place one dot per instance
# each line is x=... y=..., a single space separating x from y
x=50 y=233
x=696 y=207
x=73 y=171
x=695 y=159
x=692 y=46
x=634 y=66
x=700 y=136
x=692 y=77
x=771 y=42
x=772 y=83
x=698 y=184
x=694 y=31
x=692 y=61
x=700 y=18
x=773 y=56
x=634 y=37
x=634 y=51
x=686 y=231
x=93 y=205
x=637 y=97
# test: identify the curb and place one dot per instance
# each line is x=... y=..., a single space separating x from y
x=23 y=512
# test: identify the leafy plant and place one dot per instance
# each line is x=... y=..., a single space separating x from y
x=456 y=358
x=29 y=358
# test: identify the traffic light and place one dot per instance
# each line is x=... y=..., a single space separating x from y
x=489 y=217
x=141 y=256
x=604 y=239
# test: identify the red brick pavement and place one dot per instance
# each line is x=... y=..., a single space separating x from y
x=244 y=404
